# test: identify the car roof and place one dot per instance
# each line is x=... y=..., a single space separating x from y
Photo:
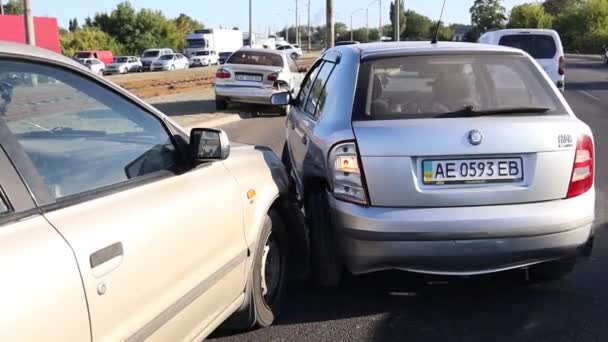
x=422 y=47
x=522 y=30
x=276 y=52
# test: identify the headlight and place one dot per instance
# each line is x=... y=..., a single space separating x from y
x=346 y=173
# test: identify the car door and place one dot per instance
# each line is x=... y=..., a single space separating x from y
x=160 y=244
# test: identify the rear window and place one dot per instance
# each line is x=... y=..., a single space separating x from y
x=151 y=53
x=432 y=86
x=539 y=46
x=166 y=58
x=121 y=60
x=83 y=55
x=202 y=53
x=256 y=58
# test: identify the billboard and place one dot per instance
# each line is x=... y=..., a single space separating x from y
x=47 y=34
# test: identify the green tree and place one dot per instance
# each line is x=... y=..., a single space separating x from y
x=185 y=25
x=14 y=7
x=418 y=26
x=402 y=19
x=444 y=33
x=487 y=15
x=530 y=16
x=583 y=25
x=88 y=39
x=556 y=7
x=73 y=25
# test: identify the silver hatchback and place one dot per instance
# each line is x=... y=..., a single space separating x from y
x=446 y=158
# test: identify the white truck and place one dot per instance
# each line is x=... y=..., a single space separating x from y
x=215 y=41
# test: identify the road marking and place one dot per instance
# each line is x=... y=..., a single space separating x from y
x=589 y=95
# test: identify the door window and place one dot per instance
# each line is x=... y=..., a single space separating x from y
x=316 y=92
x=539 y=46
x=79 y=135
x=307 y=85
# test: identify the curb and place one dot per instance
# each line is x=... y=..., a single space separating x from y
x=216 y=122
x=588 y=57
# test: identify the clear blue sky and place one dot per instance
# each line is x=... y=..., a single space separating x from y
x=267 y=13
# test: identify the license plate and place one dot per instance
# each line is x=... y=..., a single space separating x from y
x=472 y=171
x=250 y=78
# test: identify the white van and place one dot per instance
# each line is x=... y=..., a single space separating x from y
x=151 y=55
x=543 y=45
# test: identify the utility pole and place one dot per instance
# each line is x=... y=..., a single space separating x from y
x=380 y=28
x=297 y=24
x=367 y=24
x=309 y=26
x=351 y=21
x=397 y=30
x=330 y=23
x=30 y=37
x=250 y=26
x=1 y=8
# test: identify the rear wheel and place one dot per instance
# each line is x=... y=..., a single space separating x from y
x=221 y=103
x=552 y=270
x=326 y=265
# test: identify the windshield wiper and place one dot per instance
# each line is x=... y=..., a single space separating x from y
x=470 y=111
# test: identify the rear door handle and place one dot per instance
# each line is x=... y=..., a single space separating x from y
x=106 y=259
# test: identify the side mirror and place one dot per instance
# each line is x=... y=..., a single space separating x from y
x=207 y=144
x=303 y=69
x=280 y=99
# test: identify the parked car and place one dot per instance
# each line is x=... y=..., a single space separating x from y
x=124 y=65
x=95 y=65
x=151 y=55
x=170 y=62
x=543 y=45
x=223 y=57
x=448 y=158
x=204 y=58
x=139 y=230
x=292 y=50
x=103 y=55
x=253 y=75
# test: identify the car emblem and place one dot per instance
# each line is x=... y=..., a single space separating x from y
x=475 y=137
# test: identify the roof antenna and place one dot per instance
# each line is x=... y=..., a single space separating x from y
x=434 y=41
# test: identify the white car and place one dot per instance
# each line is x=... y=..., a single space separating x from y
x=151 y=55
x=137 y=229
x=123 y=65
x=95 y=65
x=543 y=45
x=292 y=50
x=170 y=62
x=204 y=58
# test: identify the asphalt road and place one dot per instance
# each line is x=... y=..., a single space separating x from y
x=398 y=306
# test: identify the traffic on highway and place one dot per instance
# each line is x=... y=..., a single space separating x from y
x=449 y=188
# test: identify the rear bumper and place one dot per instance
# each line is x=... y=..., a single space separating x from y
x=461 y=241
x=257 y=95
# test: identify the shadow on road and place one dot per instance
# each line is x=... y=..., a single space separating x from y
x=183 y=108
x=597 y=65
x=587 y=86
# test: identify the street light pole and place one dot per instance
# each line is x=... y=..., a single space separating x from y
x=397 y=28
x=367 y=24
x=250 y=26
x=351 y=21
x=1 y=8
x=30 y=37
x=297 y=29
x=380 y=28
x=330 y=22
x=309 y=26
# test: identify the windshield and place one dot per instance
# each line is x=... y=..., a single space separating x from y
x=166 y=58
x=83 y=55
x=121 y=60
x=256 y=58
x=153 y=53
x=195 y=43
x=539 y=46
x=202 y=53
x=432 y=86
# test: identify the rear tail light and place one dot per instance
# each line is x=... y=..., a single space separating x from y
x=562 y=66
x=223 y=74
x=273 y=77
x=582 y=171
x=347 y=174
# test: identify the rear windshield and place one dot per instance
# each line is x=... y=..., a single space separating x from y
x=256 y=58
x=121 y=60
x=539 y=46
x=202 y=53
x=83 y=55
x=432 y=86
x=166 y=58
x=151 y=53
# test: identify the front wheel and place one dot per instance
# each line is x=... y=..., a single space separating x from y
x=552 y=270
x=172 y=67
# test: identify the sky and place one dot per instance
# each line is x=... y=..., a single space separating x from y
x=267 y=14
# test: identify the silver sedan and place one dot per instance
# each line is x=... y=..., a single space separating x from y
x=443 y=158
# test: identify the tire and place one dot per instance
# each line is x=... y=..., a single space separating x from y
x=172 y=68
x=326 y=265
x=221 y=103
x=264 y=295
x=100 y=73
x=552 y=270
x=294 y=56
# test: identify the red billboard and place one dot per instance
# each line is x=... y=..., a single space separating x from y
x=12 y=28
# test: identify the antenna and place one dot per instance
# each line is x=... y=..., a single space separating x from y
x=434 y=41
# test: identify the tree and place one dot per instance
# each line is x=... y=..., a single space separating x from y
x=402 y=19
x=88 y=39
x=583 y=25
x=487 y=15
x=73 y=25
x=530 y=16
x=14 y=7
x=555 y=7
x=418 y=26
x=444 y=33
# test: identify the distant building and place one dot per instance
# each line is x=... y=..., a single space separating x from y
x=46 y=32
x=460 y=32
